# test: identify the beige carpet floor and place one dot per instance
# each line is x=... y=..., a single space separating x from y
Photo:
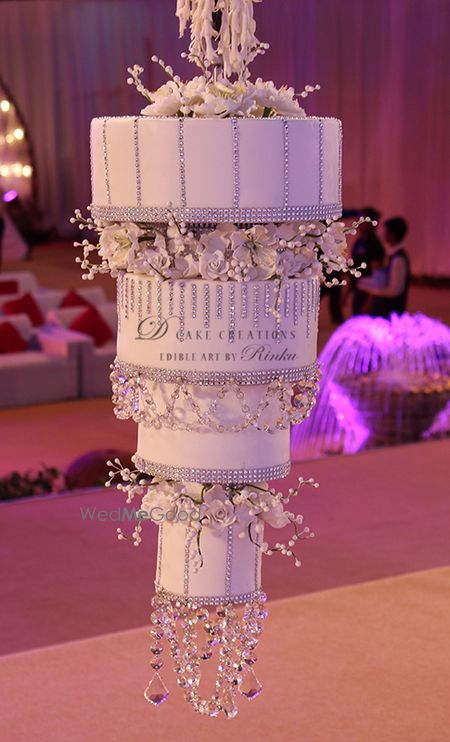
x=368 y=663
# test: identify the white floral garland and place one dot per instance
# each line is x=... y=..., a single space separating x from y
x=225 y=253
x=213 y=96
x=249 y=506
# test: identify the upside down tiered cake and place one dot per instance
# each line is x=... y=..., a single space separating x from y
x=215 y=209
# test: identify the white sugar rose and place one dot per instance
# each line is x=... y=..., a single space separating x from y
x=185 y=267
x=159 y=260
x=166 y=101
x=242 y=255
x=263 y=235
x=286 y=231
x=273 y=512
x=266 y=261
x=217 y=508
x=280 y=100
x=117 y=241
x=213 y=263
x=194 y=91
x=118 y=236
x=290 y=264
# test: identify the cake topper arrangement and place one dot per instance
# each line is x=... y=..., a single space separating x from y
x=223 y=44
x=217 y=211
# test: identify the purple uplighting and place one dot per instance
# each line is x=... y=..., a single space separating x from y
x=9 y=196
x=384 y=382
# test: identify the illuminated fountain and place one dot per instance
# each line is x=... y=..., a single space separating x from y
x=385 y=382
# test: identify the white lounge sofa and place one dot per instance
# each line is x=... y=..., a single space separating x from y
x=94 y=362
x=48 y=299
x=47 y=372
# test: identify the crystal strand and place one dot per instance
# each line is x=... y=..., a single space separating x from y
x=244 y=301
x=149 y=298
x=231 y=312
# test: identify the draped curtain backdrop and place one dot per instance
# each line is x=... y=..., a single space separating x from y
x=383 y=66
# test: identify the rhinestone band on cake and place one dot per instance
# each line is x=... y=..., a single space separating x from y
x=199 y=215
x=215 y=378
x=218 y=476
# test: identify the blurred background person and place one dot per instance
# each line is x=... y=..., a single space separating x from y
x=367 y=249
x=388 y=286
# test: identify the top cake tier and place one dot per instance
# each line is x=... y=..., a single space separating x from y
x=239 y=170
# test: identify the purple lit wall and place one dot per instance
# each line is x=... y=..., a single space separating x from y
x=383 y=66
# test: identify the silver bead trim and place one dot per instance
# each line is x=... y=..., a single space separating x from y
x=308 y=309
x=231 y=312
x=286 y=161
x=206 y=306
x=201 y=600
x=236 y=175
x=295 y=304
x=171 y=298
x=187 y=550
x=215 y=378
x=126 y=297
x=137 y=161
x=244 y=301
x=193 y=301
x=267 y=306
x=160 y=548
x=229 y=561
x=215 y=216
x=119 y=299
x=216 y=476
x=219 y=301
x=159 y=300
x=105 y=162
x=182 y=313
x=139 y=301
x=258 y=555
x=182 y=163
x=149 y=298
x=132 y=294
x=256 y=306
x=320 y=161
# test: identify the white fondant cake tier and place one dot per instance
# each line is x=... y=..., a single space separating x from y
x=215 y=170
x=200 y=328
x=226 y=458
x=231 y=566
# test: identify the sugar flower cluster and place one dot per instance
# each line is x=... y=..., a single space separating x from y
x=214 y=96
x=250 y=507
x=225 y=253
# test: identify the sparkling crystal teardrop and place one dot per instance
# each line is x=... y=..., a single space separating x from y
x=156 y=692
x=229 y=707
x=250 y=686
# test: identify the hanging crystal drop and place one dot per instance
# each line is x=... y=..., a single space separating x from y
x=229 y=707
x=250 y=686
x=156 y=692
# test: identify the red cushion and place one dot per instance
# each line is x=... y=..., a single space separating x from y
x=25 y=305
x=92 y=323
x=72 y=299
x=11 y=341
x=9 y=287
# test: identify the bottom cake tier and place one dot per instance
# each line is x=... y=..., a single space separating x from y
x=212 y=566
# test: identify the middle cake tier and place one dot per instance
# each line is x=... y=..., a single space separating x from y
x=215 y=373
